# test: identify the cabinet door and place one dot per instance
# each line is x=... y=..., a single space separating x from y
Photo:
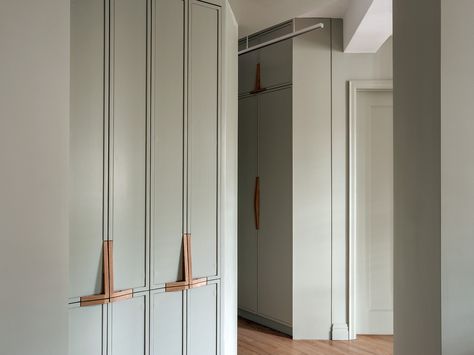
x=276 y=63
x=248 y=171
x=167 y=140
x=128 y=321
x=87 y=330
x=86 y=147
x=275 y=233
x=129 y=134
x=277 y=60
x=204 y=112
x=167 y=320
x=247 y=71
x=202 y=320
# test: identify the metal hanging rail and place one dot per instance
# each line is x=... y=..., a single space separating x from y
x=282 y=38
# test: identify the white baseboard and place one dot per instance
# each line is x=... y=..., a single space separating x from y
x=340 y=331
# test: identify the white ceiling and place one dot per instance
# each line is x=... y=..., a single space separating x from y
x=256 y=15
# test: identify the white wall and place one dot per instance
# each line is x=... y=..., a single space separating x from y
x=457 y=176
x=34 y=111
x=230 y=159
x=417 y=183
x=346 y=67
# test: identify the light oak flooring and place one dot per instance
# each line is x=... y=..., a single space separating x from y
x=255 y=339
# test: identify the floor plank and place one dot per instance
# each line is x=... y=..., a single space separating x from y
x=257 y=340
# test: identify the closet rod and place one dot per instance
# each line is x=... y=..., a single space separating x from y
x=282 y=38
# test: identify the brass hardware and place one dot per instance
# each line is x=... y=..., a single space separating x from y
x=188 y=281
x=108 y=295
x=256 y=203
x=258 y=84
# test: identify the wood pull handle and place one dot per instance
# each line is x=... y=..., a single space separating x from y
x=109 y=295
x=256 y=204
x=188 y=281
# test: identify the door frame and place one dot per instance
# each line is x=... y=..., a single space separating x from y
x=355 y=87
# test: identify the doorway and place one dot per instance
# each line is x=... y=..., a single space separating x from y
x=371 y=208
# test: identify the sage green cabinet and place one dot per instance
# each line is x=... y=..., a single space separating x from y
x=167 y=322
x=87 y=327
x=203 y=320
x=128 y=153
x=248 y=234
x=128 y=333
x=285 y=140
x=275 y=60
x=167 y=163
x=87 y=163
x=265 y=258
x=145 y=149
x=204 y=110
x=275 y=236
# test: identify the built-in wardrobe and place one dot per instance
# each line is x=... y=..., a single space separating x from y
x=144 y=177
x=284 y=215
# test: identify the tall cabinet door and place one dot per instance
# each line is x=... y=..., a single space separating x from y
x=129 y=139
x=275 y=233
x=87 y=326
x=87 y=163
x=248 y=172
x=203 y=117
x=168 y=141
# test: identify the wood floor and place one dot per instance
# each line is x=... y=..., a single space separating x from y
x=255 y=339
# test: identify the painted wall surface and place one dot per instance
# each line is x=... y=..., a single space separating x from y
x=417 y=183
x=457 y=176
x=34 y=115
x=312 y=182
x=353 y=17
x=346 y=67
x=229 y=218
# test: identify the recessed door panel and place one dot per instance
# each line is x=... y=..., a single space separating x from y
x=167 y=323
x=202 y=136
x=168 y=131
x=86 y=330
x=202 y=320
x=275 y=234
x=86 y=146
x=248 y=171
x=129 y=142
x=128 y=322
x=374 y=217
